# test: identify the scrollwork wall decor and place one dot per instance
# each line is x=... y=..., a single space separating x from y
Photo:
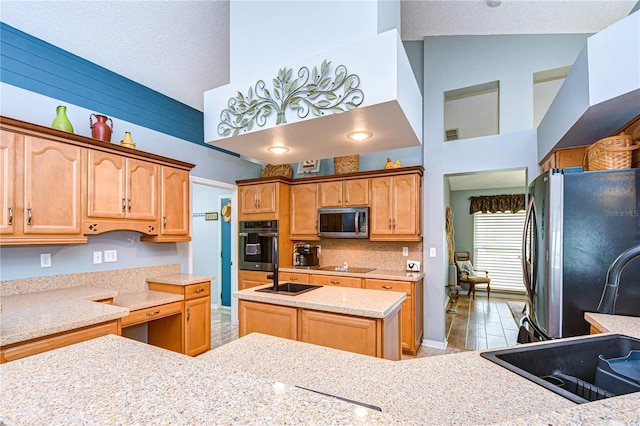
x=314 y=92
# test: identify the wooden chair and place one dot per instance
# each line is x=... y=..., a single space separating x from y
x=469 y=275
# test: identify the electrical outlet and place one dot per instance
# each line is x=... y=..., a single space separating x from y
x=405 y=251
x=97 y=257
x=45 y=260
x=432 y=252
x=413 y=266
x=110 y=255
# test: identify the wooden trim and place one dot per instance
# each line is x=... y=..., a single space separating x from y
x=24 y=127
x=346 y=176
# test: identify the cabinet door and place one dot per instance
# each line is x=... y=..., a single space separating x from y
x=336 y=280
x=274 y=320
x=248 y=199
x=266 y=198
x=408 y=316
x=197 y=337
x=106 y=176
x=248 y=279
x=175 y=201
x=142 y=190
x=405 y=205
x=52 y=187
x=293 y=277
x=304 y=210
x=380 y=221
x=331 y=194
x=8 y=151
x=337 y=331
x=356 y=192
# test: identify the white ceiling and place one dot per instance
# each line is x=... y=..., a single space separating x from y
x=181 y=48
x=488 y=180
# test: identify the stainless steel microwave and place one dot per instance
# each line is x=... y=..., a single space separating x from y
x=349 y=222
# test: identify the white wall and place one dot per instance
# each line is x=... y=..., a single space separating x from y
x=24 y=262
x=462 y=61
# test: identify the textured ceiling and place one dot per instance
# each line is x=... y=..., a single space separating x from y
x=181 y=48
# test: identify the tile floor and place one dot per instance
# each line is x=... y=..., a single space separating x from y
x=479 y=324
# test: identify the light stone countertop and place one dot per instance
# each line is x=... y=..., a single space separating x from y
x=180 y=279
x=25 y=300
x=145 y=299
x=21 y=324
x=114 y=380
x=379 y=274
x=629 y=326
x=341 y=300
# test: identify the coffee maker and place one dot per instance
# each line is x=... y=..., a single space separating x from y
x=305 y=255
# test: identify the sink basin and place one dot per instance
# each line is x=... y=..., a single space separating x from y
x=290 y=289
x=567 y=366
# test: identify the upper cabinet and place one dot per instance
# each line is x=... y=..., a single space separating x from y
x=58 y=187
x=347 y=193
x=263 y=199
x=41 y=191
x=304 y=212
x=395 y=208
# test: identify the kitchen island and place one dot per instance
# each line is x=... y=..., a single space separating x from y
x=352 y=319
x=255 y=379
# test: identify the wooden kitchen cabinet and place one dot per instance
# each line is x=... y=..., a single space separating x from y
x=564 y=157
x=337 y=331
x=412 y=310
x=248 y=279
x=59 y=340
x=293 y=277
x=174 y=194
x=304 y=212
x=336 y=280
x=196 y=314
x=265 y=201
x=259 y=198
x=344 y=193
x=396 y=208
x=274 y=320
x=41 y=191
x=124 y=191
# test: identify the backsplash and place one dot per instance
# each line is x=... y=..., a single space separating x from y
x=368 y=254
x=124 y=280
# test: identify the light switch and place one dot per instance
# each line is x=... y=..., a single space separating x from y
x=405 y=251
x=432 y=252
x=110 y=255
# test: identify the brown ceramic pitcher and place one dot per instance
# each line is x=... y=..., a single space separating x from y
x=100 y=129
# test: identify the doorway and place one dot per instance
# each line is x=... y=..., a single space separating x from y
x=225 y=263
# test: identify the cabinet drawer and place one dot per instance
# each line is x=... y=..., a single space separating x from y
x=405 y=286
x=194 y=291
x=336 y=280
x=150 y=314
x=295 y=277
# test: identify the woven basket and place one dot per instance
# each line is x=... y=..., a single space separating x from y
x=346 y=164
x=279 y=170
x=611 y=153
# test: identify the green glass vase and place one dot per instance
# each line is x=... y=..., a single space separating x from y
x=62 y=122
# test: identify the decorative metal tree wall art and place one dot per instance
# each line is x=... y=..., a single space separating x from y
x=314 y=92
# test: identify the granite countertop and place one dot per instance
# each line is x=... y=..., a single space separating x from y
x=252 y=380
x=30 y=322
x=37 y=298
x=379 y=274
x=180 y=279
x=145 y=299
x=629 y=326
x=341 y=300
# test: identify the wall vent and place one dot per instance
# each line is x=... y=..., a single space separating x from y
x=451 y=134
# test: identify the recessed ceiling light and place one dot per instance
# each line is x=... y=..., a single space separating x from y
x=278 y=149
x=359 y=136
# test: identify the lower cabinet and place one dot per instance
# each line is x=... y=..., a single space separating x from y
x=47 y=343
x=367 y=336
x=293 y=277
x=412 y=310
x=195 y=326
x=248 y=279
x=274 y=320
x=336 y=280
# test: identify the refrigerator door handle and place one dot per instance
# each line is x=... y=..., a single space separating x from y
x=526 y=262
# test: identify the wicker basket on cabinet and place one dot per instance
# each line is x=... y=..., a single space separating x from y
x=615 y=152
x=346 y=164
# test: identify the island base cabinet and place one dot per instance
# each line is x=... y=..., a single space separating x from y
x=335 y=331
x=279 y=321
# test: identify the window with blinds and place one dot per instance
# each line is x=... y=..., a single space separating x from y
x=497 y=242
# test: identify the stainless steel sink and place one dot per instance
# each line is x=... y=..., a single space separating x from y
x=567 y=367
x=290 y=289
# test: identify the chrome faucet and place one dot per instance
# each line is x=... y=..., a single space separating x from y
x=274 y=276
x=610 y=293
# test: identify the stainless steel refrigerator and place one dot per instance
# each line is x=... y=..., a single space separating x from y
x=577 y=224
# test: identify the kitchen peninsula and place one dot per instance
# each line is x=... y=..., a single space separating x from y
x=352 y=319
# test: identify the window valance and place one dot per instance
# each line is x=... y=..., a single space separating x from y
x=497 y=203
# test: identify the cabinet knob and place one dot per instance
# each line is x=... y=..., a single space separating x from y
x=389 y=223
x=150 y=314
x=29 y=216
x=387 y=286
x=394 y=224
x=198 y=290
x=124 y=205
x=334 y=282
x=188 y=314
x=293 y=279
x=164 y=222
x=129 y=205
x=10 y=215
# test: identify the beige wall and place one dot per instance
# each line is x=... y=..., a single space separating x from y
x=368 y=254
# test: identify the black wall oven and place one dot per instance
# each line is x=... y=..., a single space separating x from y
x=257 y=245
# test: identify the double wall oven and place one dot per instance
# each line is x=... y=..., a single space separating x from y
x=257 y=244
